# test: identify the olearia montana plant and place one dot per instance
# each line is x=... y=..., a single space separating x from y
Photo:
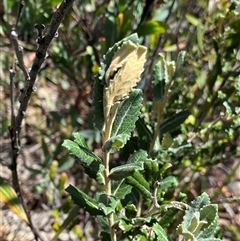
x=131 y=204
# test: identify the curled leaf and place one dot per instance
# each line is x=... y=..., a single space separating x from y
x=121 y=172
x=124 y=72
x=98 y=88
x=91 y=163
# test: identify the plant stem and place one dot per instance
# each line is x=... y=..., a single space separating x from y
x=108 y=190
x=106 y=173
x=139 y=206
x=160 y=107
x=157 y=130
x=106 y=158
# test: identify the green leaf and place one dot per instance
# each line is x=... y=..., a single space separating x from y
x=168 y=217
x=84 y=201
x=144 y=134
x=128 y=113
x=196 y=224
x=124 y=226
x=5 y=124
x=141 y=188
x=120 y=189
x=167 y=140
x=159 y=232
x=115 y=143
x=140 y=178
x=138 y=156
x=78 y=138
x=9 y=197
x=185 y=233
x=179 y=148
x=139 y=220
x=98 y=88
x=121 y=172
x=198 y=203
x=162 y=70
x=92 y=163
x=194 y=21
x=200 y=37
x=169 y=213
x=151 y=168
x=168 y=182
x=158 y=81
x=152 y=27
x=179 y=63
x=107 y=203
x=130 y=211
x=200 y=219
x=209 y=213
x=174 y=121
x=103 y=223
x=140 y=236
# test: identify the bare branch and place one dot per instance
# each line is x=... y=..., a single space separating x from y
x=19 y=53
x=21 y=5
x=44 y=43
x=25 y=94
x=11 y=75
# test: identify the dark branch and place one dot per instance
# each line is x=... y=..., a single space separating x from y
x=25 y=93
x=41 y=52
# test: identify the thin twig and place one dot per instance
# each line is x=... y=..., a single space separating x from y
x=19 y=53
x=21 y=5
x=11 y=75
x=15 y=142
x=30 y=78
x=44 y=43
